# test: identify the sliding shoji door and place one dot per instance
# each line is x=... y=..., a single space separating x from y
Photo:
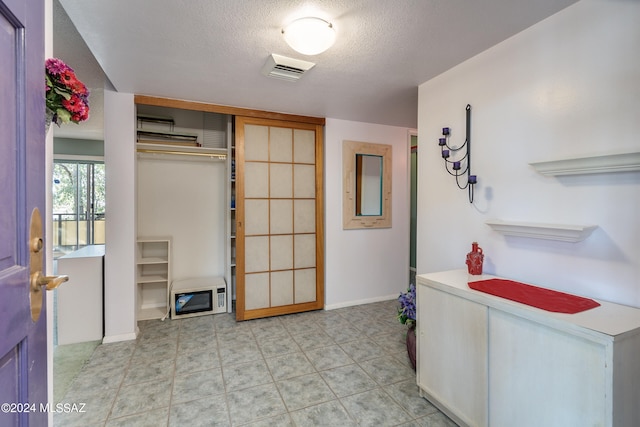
x=279 y=204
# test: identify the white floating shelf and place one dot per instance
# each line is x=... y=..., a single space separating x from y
x=627 y=162
x=559 y=232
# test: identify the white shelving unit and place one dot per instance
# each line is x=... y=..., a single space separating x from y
x=153 y=276
x=230 y=268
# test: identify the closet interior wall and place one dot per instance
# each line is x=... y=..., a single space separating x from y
x=184 y=196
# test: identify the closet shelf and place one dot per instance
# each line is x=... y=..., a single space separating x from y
x=558 y=232
x=627 y=162
x=220 y=153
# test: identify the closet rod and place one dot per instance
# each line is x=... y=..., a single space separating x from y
x=182 y=153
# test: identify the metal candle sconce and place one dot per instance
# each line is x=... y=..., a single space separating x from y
x=456 y=165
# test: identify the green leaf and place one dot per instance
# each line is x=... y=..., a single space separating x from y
x=63 y=115
x=66 y=95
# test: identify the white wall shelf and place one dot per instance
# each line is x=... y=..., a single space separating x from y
x=559 y=232
x=627 y=162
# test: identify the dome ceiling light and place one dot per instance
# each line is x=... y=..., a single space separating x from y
x=309 y=36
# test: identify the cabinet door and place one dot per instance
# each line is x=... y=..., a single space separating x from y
x=279 y=233
x=540 y=376
x=452 y=354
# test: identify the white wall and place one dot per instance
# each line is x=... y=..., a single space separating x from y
x=566 y=87
x=185 y=200
x=365 y=265
x=120 y=170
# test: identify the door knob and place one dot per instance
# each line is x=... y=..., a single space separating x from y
x=51 y=282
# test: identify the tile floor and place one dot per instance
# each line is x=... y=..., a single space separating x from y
x=345 y=367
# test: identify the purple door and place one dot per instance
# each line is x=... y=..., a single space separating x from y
x=23 y=342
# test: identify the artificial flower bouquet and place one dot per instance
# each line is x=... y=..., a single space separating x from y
x=407 y=309
x=67 y=98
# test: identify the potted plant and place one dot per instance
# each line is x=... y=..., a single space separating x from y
x=407 y=316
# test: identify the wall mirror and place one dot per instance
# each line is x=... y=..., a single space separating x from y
x=366 y=182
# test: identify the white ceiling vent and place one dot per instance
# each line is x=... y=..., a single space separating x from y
x=281 y=67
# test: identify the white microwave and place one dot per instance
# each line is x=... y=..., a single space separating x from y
x=197 y=297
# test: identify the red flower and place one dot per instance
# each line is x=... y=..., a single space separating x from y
x=69 y=79
x=73 y=104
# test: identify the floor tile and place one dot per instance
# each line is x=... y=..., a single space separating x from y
x=282 y=420
x=192 y=386
x=206 y=412
x=289 y=366
x=278 y=346
x=142 y=397
x=149 y=370
x=341 y=334
x=307 y=390
x=196 y=342
x=96 y=377
x=437 y=419
x=328 y=357
x=407 y=394
x=311 y=341
x=154 y=418
x=375 y=408
x=246 y=375
x=94 y=407
x=255 y=403
x=329 y=414
x=362 y=349
x=195 y=361
x=348 y=380
x=387 y=370
x=242 y=353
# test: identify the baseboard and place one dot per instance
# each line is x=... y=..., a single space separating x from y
x=360 y=302
x=122 y=337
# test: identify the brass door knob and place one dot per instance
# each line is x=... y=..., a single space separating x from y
x=51 y=282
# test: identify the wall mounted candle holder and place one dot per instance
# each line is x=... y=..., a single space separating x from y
x=460 y=166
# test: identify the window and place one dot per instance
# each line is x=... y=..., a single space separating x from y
x=78 y=205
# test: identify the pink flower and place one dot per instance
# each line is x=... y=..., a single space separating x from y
x=56 y=66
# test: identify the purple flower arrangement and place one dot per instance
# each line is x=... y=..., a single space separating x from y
x=407 y=309
x=67 y=98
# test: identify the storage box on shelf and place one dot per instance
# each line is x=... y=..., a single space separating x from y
x=153 y=276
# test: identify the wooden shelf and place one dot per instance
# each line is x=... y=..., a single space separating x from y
x=558 y=232
x=627 y=162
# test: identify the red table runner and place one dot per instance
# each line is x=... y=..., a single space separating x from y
x=546 y=299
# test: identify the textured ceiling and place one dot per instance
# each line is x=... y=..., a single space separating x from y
x=213 y=51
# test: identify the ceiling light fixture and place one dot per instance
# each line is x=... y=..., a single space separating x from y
x=309 y=36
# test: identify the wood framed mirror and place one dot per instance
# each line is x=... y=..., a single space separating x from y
x=366 y=201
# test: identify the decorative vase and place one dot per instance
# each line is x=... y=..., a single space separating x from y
x=411 y=345
x=475 y=259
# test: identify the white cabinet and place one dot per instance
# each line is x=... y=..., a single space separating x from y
x=153 y=276
x=525 y=366
x=452 y=366
x=80 y=301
